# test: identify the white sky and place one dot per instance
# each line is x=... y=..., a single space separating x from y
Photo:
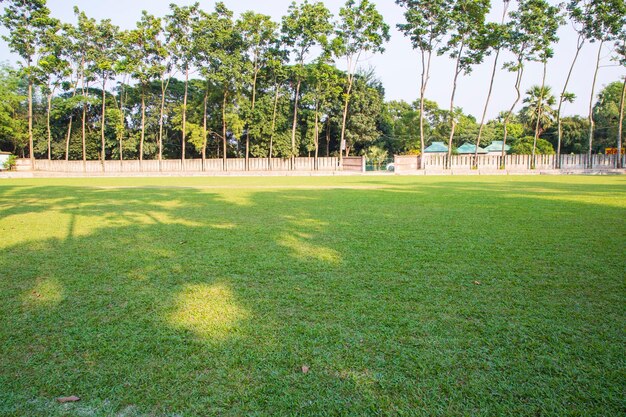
x=398 y=67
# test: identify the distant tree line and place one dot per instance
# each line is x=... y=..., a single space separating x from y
x=199 y=84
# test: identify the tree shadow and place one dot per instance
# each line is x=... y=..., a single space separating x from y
x=162 y=301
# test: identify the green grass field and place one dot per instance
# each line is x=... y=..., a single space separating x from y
x=404 y=296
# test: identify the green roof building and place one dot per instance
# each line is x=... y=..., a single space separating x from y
x=469 y=148
x=496 y=147
x=436 y=147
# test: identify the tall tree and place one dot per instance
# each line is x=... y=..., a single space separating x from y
x=26 y=22
x=621 y=58
x=324 y=87
x=179 y=30
x=144 y=61
x=123 y=68
x=603 y=21
x=52 y=69
x=259 y=35
x=496 y=39
x=84 y=34
x=365 y=110
x=575 y=12
x=466 y=45
x=277 y=72
x=219 y=44
x=543 y=44
x=528 y=25
x=360 y=30
x=104 y=58
x=305 y=26
x=72 y=54
x=426 y=24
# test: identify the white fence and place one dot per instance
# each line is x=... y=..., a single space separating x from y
x=190 y=165
x=408 y=163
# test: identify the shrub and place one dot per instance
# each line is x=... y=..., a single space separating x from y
x=524 y=146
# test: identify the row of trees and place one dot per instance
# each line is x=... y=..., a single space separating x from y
x=208 y=84
x=400 y=125
x=460 y=30
x=373 y=125
x=240 y=66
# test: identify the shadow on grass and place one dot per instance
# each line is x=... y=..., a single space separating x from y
x=200 y=302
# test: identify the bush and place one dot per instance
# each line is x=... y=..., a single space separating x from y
x=524 y=146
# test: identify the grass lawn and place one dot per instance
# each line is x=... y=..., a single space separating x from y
x=445 y=296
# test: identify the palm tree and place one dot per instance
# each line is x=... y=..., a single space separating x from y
x=539 y=103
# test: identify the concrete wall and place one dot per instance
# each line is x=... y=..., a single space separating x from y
x=189 y=165
x=354 y=163
x=405 y=164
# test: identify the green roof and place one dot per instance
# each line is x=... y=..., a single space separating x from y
x=496 y=146
x=469 y=148
x=436 y=147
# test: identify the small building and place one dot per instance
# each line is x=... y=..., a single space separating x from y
x=436 y=147
x=496 y=148
x=4 y=156
x=469 y=148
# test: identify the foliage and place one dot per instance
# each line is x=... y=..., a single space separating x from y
x=13 y=126
x=10 y=163
x=376 y=156
x=575 y=130
x=524 y=146
x=606 y=115
x=539 y=103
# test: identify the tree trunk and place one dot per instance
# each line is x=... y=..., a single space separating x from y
x=457 y=71
x=328 y=136
x=295 y=122
x=67 y=139
x=224 y=129
x=579 y=45
x=344 y=116
x=425 y=78
x=164 y=86
x=182 y=159
x=539 y=113
x=48 y=125
x=518 y=82
x=84 y=133
x=256 y=71
x=122 y=119
x=620 y=126
x=30 y=116
x=103 y=120
x=317 y=138
x=591 y=121
x=69 y=126
x=143 y=124
x=273 y=125
x=204 y=128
